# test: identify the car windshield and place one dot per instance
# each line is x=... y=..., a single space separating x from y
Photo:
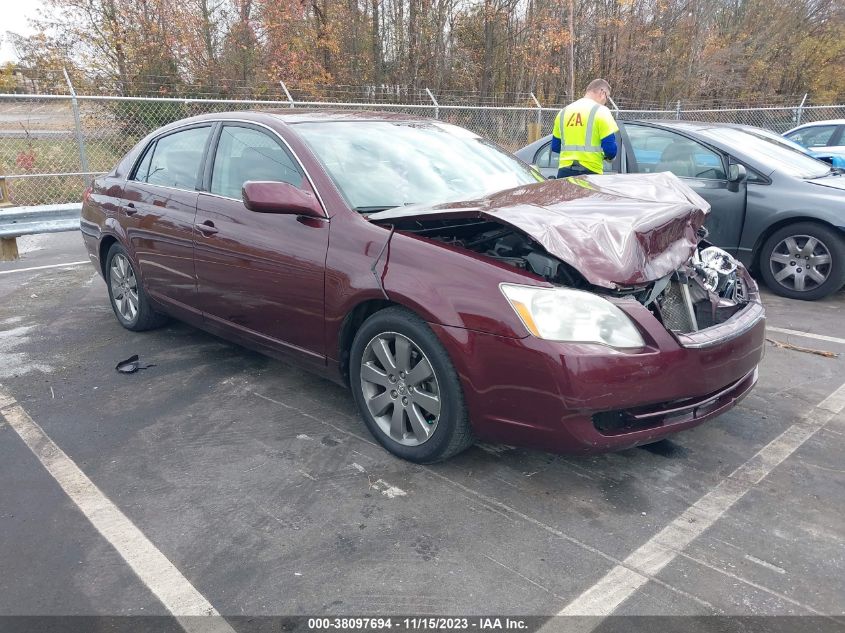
x=769 y=152
x=379 y=165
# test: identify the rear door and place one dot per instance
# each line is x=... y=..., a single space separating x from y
x=701 y=167
x=260 y=275
x=159 y=205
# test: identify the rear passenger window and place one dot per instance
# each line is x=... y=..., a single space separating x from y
x=143 y=171
x=814 y=136
x=175 y=160
x=248 y=154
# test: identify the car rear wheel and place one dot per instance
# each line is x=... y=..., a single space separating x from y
x=406 y=389
x=803 y=261
x=128 y=299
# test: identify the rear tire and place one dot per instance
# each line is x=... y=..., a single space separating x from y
x=804 y=260
x=126 y=292
x=407 y=390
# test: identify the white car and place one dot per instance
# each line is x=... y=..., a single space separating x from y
x=824 y=139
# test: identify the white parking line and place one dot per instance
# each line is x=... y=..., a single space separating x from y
x=489 y=503
x=23 y=270
x=819 y=337
x=621 y=582
x=152 y=567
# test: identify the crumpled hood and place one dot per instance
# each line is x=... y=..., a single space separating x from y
x=616 y=230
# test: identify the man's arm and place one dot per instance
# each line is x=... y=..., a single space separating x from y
x=607 y=133
x=556 y=135
x=608 y=146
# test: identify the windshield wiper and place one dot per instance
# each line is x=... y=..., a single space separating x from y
x=377 y=208
x=834 y=171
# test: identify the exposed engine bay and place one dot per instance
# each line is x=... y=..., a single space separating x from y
x=709 y=289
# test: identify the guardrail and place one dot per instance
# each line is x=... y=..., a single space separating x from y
x=48 y=218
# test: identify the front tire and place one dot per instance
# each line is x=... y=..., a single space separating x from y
x=126 y=293
x=407 y=390
x=804 y=260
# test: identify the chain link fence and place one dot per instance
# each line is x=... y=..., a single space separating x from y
x=51 y=145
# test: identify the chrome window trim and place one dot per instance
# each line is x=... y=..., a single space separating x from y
x=217 y=195
x=212 y=122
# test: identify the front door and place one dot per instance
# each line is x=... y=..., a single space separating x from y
x=703 y=169
x=159 y=205
x=260 y=274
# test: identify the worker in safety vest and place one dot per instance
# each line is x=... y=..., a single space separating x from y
x=584 y=133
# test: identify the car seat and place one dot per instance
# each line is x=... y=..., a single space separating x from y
x=679 y=158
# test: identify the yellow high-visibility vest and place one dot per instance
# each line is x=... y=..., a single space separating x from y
x=581 y=126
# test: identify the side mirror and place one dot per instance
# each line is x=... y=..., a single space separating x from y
x=280 y=197
x=737 y=173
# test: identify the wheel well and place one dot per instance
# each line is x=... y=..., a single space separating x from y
x=105 y=245
x=758 y=246
x=352 y=323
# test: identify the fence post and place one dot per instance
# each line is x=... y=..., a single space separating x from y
x=800 y=111
x=80 y=140
x=8 y=245
x=436 y=105
x=287 y=93
x=534 y=134
x=4 y=193
x=678 y=110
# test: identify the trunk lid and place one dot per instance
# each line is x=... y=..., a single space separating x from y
x=616 y=230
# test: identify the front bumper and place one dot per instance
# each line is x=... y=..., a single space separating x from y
x=584 y=398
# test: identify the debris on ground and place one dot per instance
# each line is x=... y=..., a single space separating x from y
x=131 y=365
x=806 y=350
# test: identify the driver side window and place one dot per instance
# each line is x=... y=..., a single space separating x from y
x=244 y=153
x=659 y=150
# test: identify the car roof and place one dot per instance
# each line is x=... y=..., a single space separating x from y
x=308 y=115
x=824 y=122
x=303 y=116
x=690 y=126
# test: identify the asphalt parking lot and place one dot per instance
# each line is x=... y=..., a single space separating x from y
x=266 y=494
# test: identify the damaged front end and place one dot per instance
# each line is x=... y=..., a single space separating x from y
x=620 y=237
x=708 y=290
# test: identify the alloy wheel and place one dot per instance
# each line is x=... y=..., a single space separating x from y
x=400 y=388
x=124 y=287
x=800 y=262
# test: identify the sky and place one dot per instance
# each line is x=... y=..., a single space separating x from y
x=14 y=17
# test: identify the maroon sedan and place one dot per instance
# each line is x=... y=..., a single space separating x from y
x=459 y=295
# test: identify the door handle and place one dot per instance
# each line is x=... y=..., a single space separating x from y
x=130 y=209
x=206 y=227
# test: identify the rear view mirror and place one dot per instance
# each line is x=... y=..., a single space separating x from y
x=737 y=173
x=280 y=197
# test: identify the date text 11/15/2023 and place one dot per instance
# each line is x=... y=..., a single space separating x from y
x=426 y=623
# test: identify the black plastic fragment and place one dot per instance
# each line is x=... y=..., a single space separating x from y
x=131 y=365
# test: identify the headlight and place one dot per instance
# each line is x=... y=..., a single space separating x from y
x=561 y=314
